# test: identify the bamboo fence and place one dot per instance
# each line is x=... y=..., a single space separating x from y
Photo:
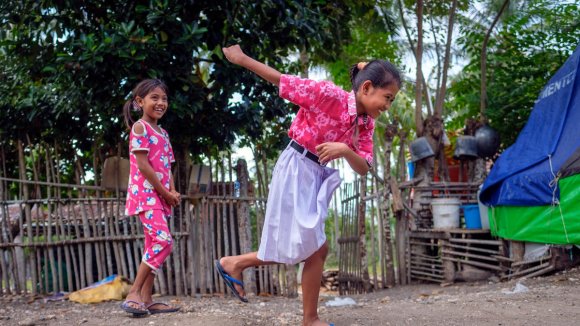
x=73 y=235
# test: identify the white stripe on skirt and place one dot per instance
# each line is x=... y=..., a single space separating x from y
x=297 y=206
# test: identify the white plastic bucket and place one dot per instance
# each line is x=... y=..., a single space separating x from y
x=445 y=213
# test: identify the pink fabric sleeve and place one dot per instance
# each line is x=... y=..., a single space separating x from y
x=139 y=142
x=300 y=91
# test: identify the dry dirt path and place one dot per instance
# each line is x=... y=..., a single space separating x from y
x=551 y=300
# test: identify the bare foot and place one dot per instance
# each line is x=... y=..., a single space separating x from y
x=134 y=301
x=146 y=297
x=229 y=267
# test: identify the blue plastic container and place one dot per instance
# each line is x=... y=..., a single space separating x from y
x=471 y=215
x=411 y=170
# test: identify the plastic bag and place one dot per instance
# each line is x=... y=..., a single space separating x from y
x=110 y=288
x=338 y=302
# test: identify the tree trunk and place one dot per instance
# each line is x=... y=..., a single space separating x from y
x=419 y=74
x=483 y=99
x=441 y=96
x=412 y=46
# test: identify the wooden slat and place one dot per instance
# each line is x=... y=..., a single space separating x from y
x=465 y=254
x=476 y=241
x=475 y=263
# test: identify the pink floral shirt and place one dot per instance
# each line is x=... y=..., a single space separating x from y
x=327 y=114
x=141 y=196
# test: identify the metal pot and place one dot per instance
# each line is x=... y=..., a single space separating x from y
x=420 y=149
x=465 y=148
x=487 y=141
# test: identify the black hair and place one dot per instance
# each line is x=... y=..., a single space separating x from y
x=141 y=90
x=381 y=73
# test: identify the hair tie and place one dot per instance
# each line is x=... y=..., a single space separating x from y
x=136 y=106
x=361 y=65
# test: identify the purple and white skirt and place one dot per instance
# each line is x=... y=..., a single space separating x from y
x=300 y=192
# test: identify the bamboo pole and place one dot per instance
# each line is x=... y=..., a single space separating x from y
x=381 y=211
x=27 y=214
x=176 y=253
x=113 y=232
x=215 y=284
x=171 y=270
x=335 y=216
x=224 y=217
x=84 y=260
x=66 y=249
x=263 y=279
x=75 y=268
x=96 y=232
x=52 y=263
x=244 y=225
x=61 y=232
x=4 y=216
x=182 y=250
x=208 y=252
x=161 y=280
x=36 y=165
x=106 y=248
x=179 y=216
x=80 y=248
x=198 y=242
x=202 y=249
x=3 y=266
x=101 y=211
x=191 y=249
x=218 y=231
x=372 y=236
x=117 y=246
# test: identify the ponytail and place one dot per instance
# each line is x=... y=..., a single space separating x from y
x=380 y=72
x=130 y=105
x=141 y=90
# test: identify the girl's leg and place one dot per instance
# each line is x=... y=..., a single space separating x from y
x=158 y=245
x=135 y=292
x=311 y=278
x=235 y=265
x=147 y=289
x=160 y=249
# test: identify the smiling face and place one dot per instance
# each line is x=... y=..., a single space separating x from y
x=373 y=100
x=154 y=105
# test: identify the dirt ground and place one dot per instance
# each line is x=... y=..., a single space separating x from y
x=550 y=300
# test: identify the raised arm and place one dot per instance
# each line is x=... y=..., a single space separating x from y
x=235 y=55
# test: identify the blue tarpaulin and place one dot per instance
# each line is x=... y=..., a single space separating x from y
x=524 y=175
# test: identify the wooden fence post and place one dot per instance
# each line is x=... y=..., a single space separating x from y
x=244 y=224
x=362 y=236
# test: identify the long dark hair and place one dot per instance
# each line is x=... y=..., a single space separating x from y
x=380 y=72
x=141 y=90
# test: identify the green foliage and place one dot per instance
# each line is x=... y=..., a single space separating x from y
x=68 y=67
x=528 y=49
x=370 y=39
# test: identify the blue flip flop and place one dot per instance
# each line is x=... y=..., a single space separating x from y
x=230 y=281
x=134 y=311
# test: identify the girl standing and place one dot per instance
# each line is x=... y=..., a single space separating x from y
x=331 y=123
x=151 y=192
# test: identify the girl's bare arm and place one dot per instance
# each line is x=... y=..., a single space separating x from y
x=235 y=55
